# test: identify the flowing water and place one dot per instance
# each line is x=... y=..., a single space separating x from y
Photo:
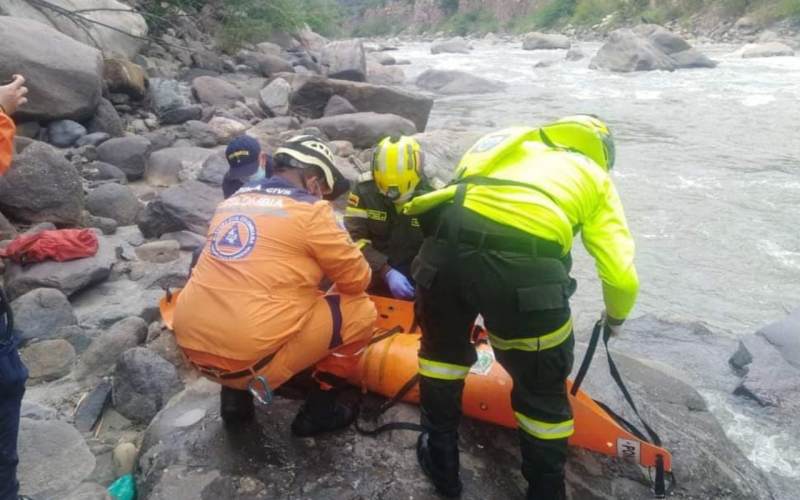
x=708 y=169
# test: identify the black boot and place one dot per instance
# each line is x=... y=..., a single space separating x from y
x=547 y=487
x=439 y=460
x=322 y=413
x=236 y=406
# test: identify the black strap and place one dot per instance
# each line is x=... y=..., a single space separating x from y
x=5 y=308
x=377 y=412
x=385 y=335
x=480 y=180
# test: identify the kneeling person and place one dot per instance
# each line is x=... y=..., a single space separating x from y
x=251 y=308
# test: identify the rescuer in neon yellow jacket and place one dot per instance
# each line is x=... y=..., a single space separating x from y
x=498 y=243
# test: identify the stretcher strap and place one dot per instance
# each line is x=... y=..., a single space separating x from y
x=5 y=309
x=377 y=412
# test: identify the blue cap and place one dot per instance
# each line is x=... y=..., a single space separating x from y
x=242 y=154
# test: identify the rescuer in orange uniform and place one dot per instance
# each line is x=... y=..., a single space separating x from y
x=250 y=317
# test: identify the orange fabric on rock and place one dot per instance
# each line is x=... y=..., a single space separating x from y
x=7 y=131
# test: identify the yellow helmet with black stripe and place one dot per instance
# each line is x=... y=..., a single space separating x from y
x=397 y=167
x=585 y=134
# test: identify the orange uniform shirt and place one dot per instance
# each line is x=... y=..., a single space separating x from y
x=7 y=131
x=254 y=286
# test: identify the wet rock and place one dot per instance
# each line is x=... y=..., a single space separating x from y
x=453 y=46
x=65 y=133
x=771 y=49
x=180 y=115
x=53 y=458
x=541 y=41
x=129 y=154
x=144 y=382
x=124 y=456
x=226 y=129
x=105 y=225
x=187 y=240
x=68 y=277
x=216 y=92
x=202 y=134
x=275 y=98
x=105 y=120
x=575 y=54
x=63 y=75
x=48 y=360
x=214 y=170
x=345 y=60
x=107 y=347
x=164 y=166
x=159 y=252
x=457 y=82
x=40 y=313
x=93 y=139
x=165 y=95
x=108 y=303
x=188 y=206
x=42 y=186
x=91 y=407
x=338 y=105
x=116 y=202
x=99 y=171
x=125 y=77
x=363 y=130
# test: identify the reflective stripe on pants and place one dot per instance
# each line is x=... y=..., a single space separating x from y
x=442 y=371
x=544 y=430
x=533 y=344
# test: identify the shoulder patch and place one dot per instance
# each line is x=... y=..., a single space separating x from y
x=353 y=200
x=365 y=177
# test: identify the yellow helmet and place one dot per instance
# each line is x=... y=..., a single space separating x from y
x=397 y=167
x=585 y=134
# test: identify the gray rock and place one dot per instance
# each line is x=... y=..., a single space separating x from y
x=64 y=76
x=105 y=225
x=68 y=277
x=181 y=115
x=89 y=491
x=42 y=186
x=28 y=130
x=385 y=75
x=457 y=82
x=40 y=313
x=99 y=171
x=193 y=74
x=647 y=48
x=124 y=77
x=107 y=347
x=93 y=139
x=106 y=120
x=382 y=58
x=283 y=39
x=161 y=139
x=165 y=95
x=77 y=336
x=48 y=360
x=345 y=60
x=768 y=378
x=108 y=303
x=91 y=407
x=53 y=458
x=214 y=170
x=275 y=98
x=159 y=252
x=271 y=65
x=166 y=346
x=310 y=40
x=454 y=46
x=143 y=383
x=227 y=129
x=173 y=274
x=269 y=48
x=338 y=105
x=785 y=336
x=164 y=166
x=187 y=240
x=202 y=134
x=575 y=54
x=188 y=206
x=116 y=202
x=205 y=59
x=129 y=154
x=7 y=230
x=541 y=41
x=266 y=130
x=216 y=92
x=65 y=133
x=443 y=150
x=770 y=49
x=363 y=130
x=35 y=411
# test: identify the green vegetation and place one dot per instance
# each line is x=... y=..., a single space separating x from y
x=450 y=7
x=376 y=26
x=477 y=21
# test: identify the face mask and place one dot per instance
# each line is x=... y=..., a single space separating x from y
x=260 y=175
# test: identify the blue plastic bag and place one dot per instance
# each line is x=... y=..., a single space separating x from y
x=123 y=488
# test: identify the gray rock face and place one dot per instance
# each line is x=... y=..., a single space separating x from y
x=310 y=96
x=216 y=92
x=385 y=75
x=541 y=41
x=114 y=201
x=457 y=82
x=174 y=273
x=159 y=252
x=40 y=314
x=99 y=171
x=129 y=154
x=64 y=76
x=443 y=150
x=338 y=105
x=181 y=115
x=646 y=48
x=205 y=59
x=106 y=120
x=165 y=165
x=105 y=349
x=187 y=240
x=227 y=129
x=202 y=134
x=107 y=303
x=770 y=49
x=65 y=133
x=364 y=130
x=68 y=277
x=311 y=41
x=266 y=130
x=275 y=98
x=345 y=60
x=49 y=360
x=454 y=46
x=143 y=384
x=188 y=206
x=93 y=139
x=270 y=65
x=42 y=186
x=214 y=170
x=165 y=95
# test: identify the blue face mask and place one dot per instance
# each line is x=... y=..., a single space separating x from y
x=260 y=175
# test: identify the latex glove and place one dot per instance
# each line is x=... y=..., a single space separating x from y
x=615 y=330
x=399 y=285
x=13 y=95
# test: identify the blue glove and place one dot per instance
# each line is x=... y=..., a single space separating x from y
x=399 y=285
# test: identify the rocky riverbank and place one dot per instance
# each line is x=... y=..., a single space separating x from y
x=129 y=141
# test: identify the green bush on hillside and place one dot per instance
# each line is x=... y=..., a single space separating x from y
x=477 y=21
x=591 y=12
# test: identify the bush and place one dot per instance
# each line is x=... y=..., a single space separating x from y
x=476 y=21
x=553 y=13
x=448 y=6
x=378 y=26
x=591 y=12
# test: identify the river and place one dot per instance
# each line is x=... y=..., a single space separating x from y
x=708 y=168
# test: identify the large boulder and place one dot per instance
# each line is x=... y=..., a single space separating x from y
x=363 y=130
x=165 y=165
x=457 y=82
x=188 y=206
x=125 y=77
x=453 y=46
x=129 y=154
x=143 y=384
x=106 y=120
x=106 y=25
x=345 y=60
x=270 y=65
x=49 y=360
x=64 y=76
x=770 y=49
x=104 y=351
x=443 y=151
x=42 y=186
x=107 y=303
x=226 y=129
x=267 y=131
x=385 y=75
x=310 y=96
x=201 y=134
x=41 y=313
x=165 y=95
x=310 y=40
x=648 y=47
x=116 y=202
x=275 y=97
x=65 y=133
x=216 y=92
x=338 y=105
x=541 y=41
x=214 y=170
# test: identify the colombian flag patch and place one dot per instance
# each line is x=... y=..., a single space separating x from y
x=353 y=200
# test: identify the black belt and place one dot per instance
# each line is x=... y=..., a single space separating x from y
x=526 y=245
x=223 y=375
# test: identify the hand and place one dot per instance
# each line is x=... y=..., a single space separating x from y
x=399 y=285
x=12 y=96
x=610 y=325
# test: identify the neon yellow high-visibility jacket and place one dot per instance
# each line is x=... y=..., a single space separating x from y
x=569 y=193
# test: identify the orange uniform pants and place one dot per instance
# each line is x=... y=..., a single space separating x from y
x=333 y=338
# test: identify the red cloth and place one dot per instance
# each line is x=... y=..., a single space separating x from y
x=60 y=245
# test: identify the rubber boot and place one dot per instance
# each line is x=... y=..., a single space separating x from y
x=547 y=487
x=322 y=413
x=439 y=460
x=236 y=406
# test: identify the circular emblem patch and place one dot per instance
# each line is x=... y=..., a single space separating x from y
x=234 y=239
